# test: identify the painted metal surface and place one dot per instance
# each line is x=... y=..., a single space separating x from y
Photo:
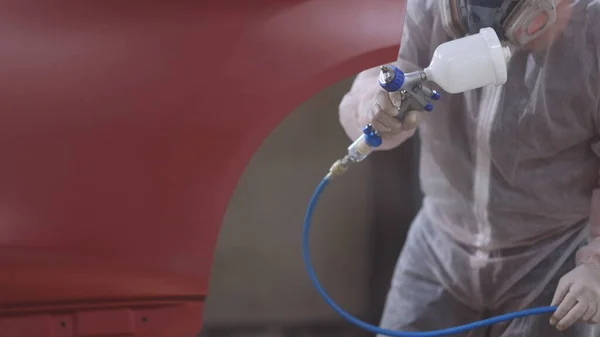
x=124 y=129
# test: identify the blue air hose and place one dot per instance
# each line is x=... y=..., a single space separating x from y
x=377 y=330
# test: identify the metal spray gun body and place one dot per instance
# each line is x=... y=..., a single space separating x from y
x=415 y=95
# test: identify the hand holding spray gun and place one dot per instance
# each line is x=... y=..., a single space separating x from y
x=400 y=105
x=457 y=66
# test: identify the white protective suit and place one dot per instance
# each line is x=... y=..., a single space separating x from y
x=510 y=178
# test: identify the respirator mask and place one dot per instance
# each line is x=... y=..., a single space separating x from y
x=515 y=21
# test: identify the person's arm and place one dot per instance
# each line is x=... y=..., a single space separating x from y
x=590 y=254
x=365 y=95
x=578 y=293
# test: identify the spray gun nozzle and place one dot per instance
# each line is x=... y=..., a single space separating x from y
x=388 y=74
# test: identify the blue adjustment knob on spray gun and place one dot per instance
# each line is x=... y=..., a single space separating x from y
x=391 y=78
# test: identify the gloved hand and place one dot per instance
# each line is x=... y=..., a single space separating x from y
x=383 y=112
x=577 y=297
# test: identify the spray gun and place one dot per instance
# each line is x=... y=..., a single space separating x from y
x=457 y=66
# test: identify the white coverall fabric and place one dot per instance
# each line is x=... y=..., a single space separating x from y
x=510 y=178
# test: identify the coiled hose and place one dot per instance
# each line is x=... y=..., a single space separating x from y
x=377 y=330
